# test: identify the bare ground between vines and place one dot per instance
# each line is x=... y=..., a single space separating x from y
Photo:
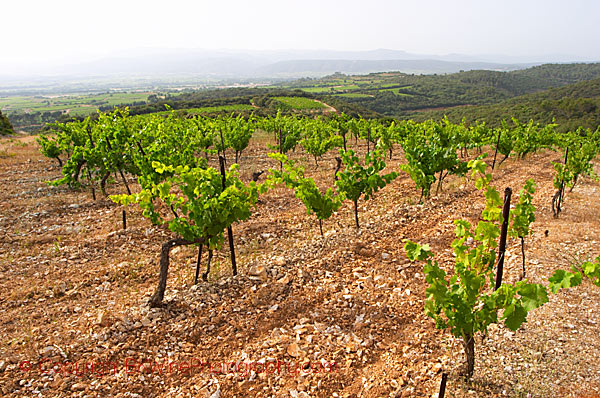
x=76 y=287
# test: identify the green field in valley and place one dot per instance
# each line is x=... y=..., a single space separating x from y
x=353 y=95
x=214 y=109
x=299 y=103
x=76 y=105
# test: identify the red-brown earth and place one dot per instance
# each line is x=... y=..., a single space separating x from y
x=348 y=306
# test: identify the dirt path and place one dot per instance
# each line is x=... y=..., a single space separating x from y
x=328 y=108
x=349 y=306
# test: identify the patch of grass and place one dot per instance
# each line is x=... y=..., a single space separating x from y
x=348 y=87
x=57 y=246
x=396 y=91
x=132 y=271
x=353 y=95
x=4 y=154
x=299 y=103
x=318 y=89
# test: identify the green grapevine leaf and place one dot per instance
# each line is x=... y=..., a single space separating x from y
x=415 y=252
x=563 y=279
x=532 y=295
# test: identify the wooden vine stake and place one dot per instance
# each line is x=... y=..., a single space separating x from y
x=91 y=184
x=198 y=264
x=222 y=144
x=496 y=152
x=229 y=229
x=443 y=385
x=523 y=255
x=503 y=234
x=88 y=170
x=280 y=151
x=124 y=182
x=558 y=197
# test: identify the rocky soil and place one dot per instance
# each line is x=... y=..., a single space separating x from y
x=339 y=316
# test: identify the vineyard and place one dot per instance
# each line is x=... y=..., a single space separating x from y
x=307 y=240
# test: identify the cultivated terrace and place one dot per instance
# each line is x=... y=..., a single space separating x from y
x=337 y=313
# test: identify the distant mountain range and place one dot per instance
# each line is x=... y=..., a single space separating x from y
x=227 y=64
x=320 y=67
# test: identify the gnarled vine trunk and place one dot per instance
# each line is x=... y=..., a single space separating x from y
x=159 y=294
x=103 y=183
x=78 y=170
x=469 y=343
x=338 y=167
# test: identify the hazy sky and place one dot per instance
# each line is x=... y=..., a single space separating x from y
x=65 y=31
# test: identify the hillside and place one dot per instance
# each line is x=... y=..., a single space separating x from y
x=400 y=94
x=560 y=74
x=570 y=106
x=263 y=101
x=77 y=287
x=5 y=126
x=392 y=94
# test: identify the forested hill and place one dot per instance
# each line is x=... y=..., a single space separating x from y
x=259 y=98
x=560 y=74
x=393 y=93
x=5 y=126
x=399 y=94
x=571 y=106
